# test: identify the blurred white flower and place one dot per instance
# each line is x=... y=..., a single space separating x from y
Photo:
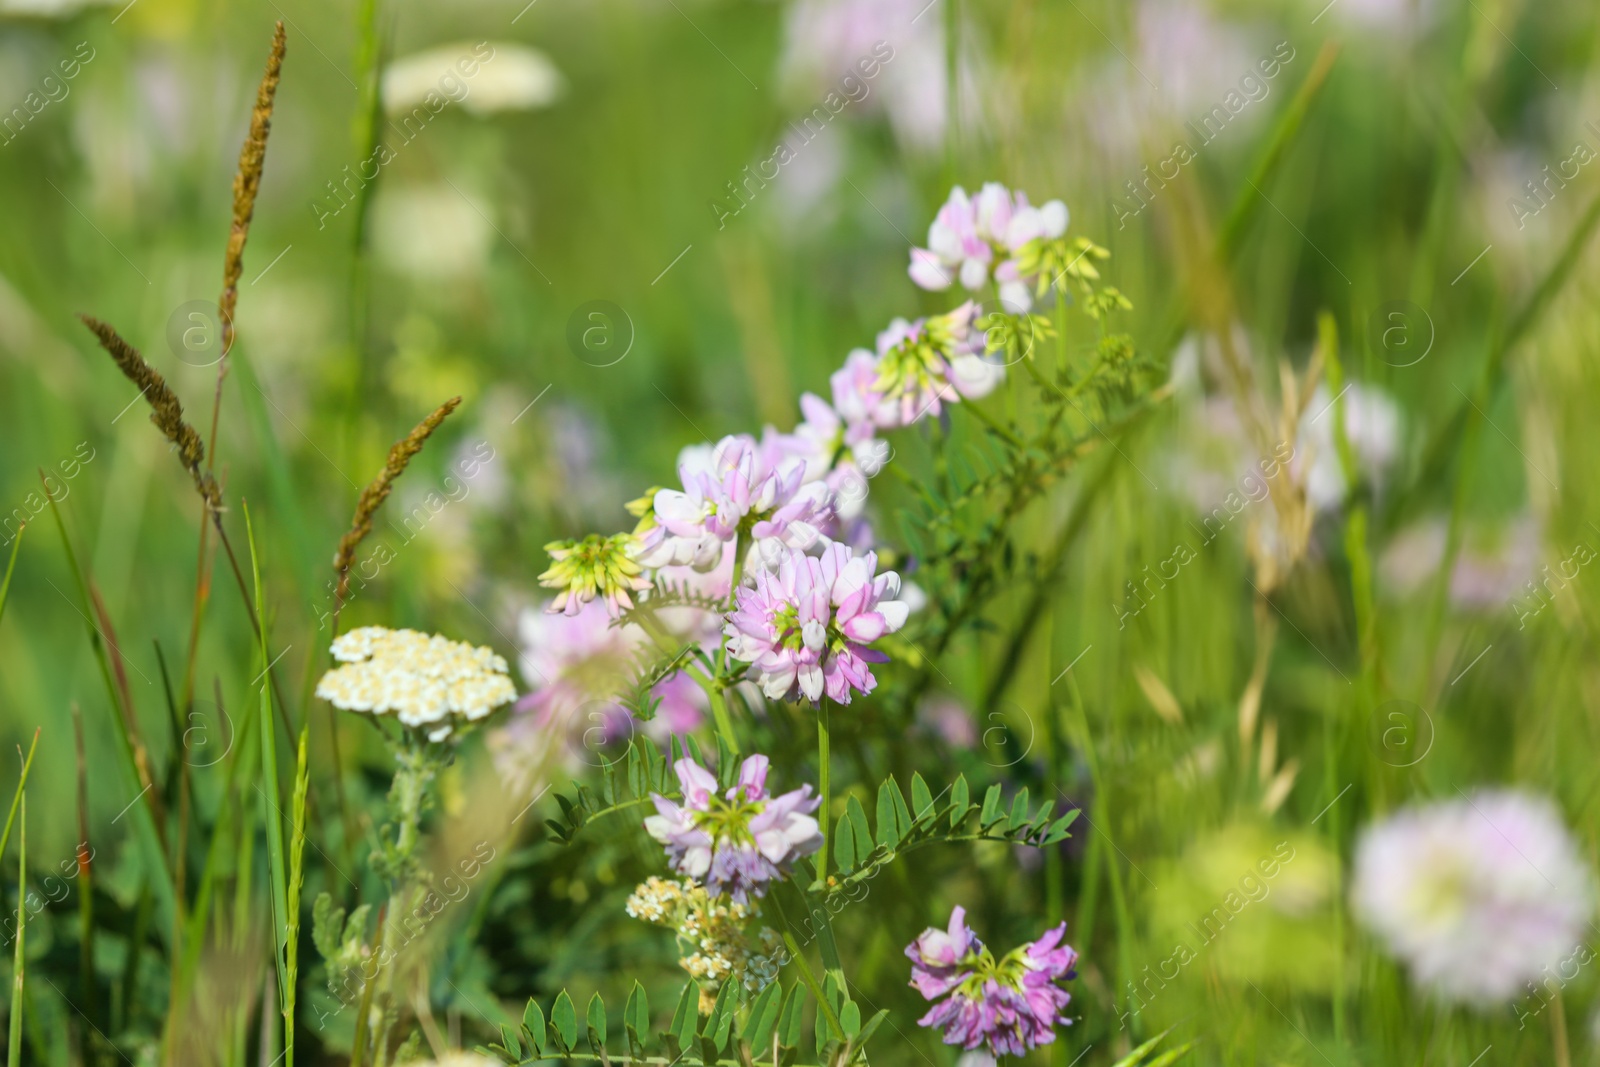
x=1185 y=61
x=1474 y=895
x=50 y=9
x=431 y=232
x=1491 y=568
x=824 y=40
x=482 y=77
x=1371 y=422
x=1387 y=20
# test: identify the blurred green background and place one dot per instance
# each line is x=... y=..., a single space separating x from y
x=596 y=167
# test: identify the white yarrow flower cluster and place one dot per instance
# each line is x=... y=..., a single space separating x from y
x=424 y=680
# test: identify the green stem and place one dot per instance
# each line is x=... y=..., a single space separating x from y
x=14 y=1055
x=994 y=427
x=5 y=587
x=822 y=787
x=719 y=711
x=806 y=974
x=741 y=548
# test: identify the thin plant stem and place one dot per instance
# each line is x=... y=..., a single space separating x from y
x=5 y=586
x=14 y=1046
x=719 y=711
x=823 y=789
x=27 y=764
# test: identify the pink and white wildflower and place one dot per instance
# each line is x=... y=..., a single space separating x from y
x=976 y=239
x=806 y=627
x=738 y=841
x=1009 y=1005
x=733 y=490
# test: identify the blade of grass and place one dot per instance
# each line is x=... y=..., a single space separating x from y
x=1443 y=447
x=272 y=817
x=147 y=833
x=1247 y=203
x=14 y=1046
x=86 y=983
x=297 y=849
x=11 y=817
x=5 y=587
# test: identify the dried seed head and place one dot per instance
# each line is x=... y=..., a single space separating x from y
x=165 y=409
x=246 y=183
x=373 y=496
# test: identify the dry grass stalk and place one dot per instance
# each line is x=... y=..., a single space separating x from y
x=246 y=183
x=373 y=496
x=165 y=409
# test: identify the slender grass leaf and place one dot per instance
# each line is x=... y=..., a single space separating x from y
x=1137 y=1056
x=11 y=564
x=1172 y=1056
x=14 y=1045
x=272 y=809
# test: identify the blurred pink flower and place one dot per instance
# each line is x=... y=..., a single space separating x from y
x=1476 y=896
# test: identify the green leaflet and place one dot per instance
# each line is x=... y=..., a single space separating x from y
x=564 y=1023
x=533 y=1025
x=763 y=1020
x=636 y=1019
x=595 y=1024
x=844 y=843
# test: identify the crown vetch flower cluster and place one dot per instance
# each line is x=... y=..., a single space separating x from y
x=804 y=629
x=425 y=680
x=737 y=841
x=976 y=239
x=1011 y=1004
x=594 y=566
x=736 y=487
x=788 y=493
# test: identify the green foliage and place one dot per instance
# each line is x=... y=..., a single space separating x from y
x=861 y=853
x=729 y=1036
